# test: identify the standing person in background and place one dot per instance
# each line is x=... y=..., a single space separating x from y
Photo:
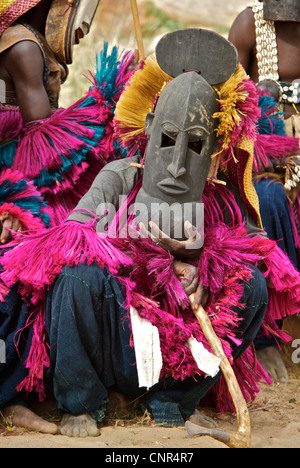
x=53 y=147
x=267 y=37
x=274 y=27
x=44 y=154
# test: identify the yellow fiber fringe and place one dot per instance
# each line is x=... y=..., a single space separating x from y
x=138 y=98
x=249 y=190
x=230 y=93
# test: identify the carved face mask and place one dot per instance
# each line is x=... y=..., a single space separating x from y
x=182 y=139
x=67 y=23
x=282 y=10
x=181 y=132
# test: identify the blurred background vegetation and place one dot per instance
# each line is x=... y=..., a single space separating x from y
x=113 y=23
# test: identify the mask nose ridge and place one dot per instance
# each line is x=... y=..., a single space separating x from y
x=177 y=166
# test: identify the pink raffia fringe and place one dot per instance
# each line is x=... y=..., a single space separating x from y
x=69 y=244
x=63 y=153
x=30 y=222
x=249 y=374
x=158 y=296
x=11 y=123
x=154 y=290
x=21 y=199
x=38 y=359
x=272 y=146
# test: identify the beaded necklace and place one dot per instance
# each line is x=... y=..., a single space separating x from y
x=267 y=62
x=267 y=55
x=266 y=44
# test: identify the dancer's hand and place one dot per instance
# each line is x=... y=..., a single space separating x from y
x=187 y=274
x=10 y=224
x=189 y=249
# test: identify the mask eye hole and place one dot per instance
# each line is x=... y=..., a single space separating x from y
x=167 y=141
x=195 y=146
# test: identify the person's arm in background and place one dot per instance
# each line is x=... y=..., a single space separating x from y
x=242 y=35
x=24 y=63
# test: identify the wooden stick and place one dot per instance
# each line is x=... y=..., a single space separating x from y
x=242 y=439
x=139 y=166
x=137 y=27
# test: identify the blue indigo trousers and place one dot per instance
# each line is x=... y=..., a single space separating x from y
x=89 y=333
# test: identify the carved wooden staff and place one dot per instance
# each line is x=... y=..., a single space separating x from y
x=137 y=27
x=241 y=439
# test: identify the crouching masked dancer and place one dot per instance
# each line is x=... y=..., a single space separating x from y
x=48 y=156
x=118 y=282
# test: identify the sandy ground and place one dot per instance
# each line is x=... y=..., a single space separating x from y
x=274 y=418
x=275 y=421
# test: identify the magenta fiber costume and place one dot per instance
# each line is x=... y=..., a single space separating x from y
x=234 y=246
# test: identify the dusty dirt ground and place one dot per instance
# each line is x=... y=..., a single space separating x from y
x=275 y=421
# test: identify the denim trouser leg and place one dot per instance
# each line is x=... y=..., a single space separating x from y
x=89 y=337
x=90 y=334
x=173 y=402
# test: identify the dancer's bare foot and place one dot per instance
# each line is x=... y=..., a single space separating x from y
x=273 y=364
x=21 y=416
x=79 y=426
x=202 y=420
